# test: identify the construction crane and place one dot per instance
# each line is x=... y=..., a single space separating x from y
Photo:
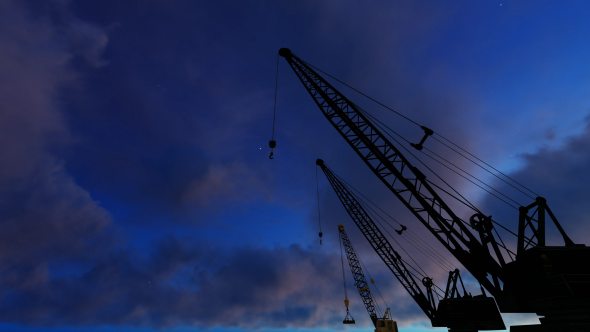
x=383 y=324
x=459 y=313
x=552 y=281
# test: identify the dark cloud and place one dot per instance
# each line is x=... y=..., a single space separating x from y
x=182 y=284
x=45 y=216
x=61 y=264
x=561 y=176
x=133 y=135
x=43 y=211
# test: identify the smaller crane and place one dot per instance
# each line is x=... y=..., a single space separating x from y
x=460 y=313
x=384 y=324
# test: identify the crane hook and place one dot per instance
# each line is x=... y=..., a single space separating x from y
x=272 y=144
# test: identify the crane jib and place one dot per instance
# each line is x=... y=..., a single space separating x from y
x=393 y=169
x=359 y=278
x=379 y=243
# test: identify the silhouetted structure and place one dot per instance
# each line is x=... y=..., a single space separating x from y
x=381 y=323
x=553 y=282
x=458 y=313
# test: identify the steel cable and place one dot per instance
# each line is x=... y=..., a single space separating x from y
x=356 y=191
x=350 y=187
x=414 y=122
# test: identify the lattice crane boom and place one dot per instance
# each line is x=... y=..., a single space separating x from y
x=395 y=171
x=359 y=277
x=379 y=242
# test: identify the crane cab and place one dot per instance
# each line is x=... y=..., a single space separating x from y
x=386 y=325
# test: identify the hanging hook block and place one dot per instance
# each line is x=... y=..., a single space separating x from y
x=348 y=318
x=272 y=144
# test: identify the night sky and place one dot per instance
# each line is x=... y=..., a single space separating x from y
x=136 y=192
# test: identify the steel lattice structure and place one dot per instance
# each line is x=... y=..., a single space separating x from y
x=379 y=242
x=359 y=277
x=458 y=313
x=395 y=171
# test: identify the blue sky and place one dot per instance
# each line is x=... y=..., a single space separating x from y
x=136 y=190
